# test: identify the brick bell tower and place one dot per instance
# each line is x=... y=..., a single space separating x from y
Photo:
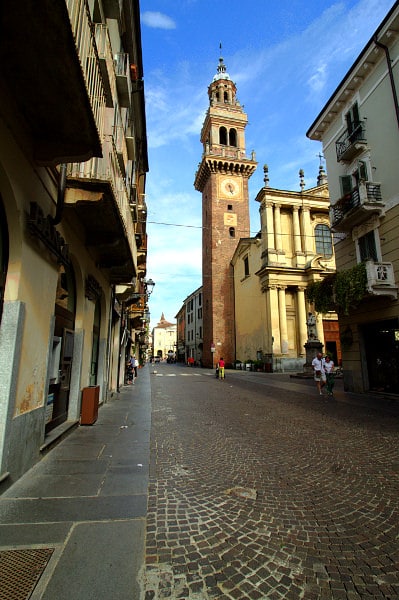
x=222 y=178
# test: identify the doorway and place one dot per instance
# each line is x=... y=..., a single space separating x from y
x=381 y=343
x=63 y=344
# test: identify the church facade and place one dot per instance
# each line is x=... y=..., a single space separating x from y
x=272 y=271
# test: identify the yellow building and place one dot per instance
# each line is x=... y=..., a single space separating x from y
x=73 y=162
x=358 y=128
x=272 y=271
x=164 y=338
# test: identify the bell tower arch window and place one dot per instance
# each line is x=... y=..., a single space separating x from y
x=233 y=137
x=223 y=136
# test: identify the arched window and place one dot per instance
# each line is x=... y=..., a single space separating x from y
x=223 y=136
x=233 y=137
x=226 y=97
x=323 y=239
x=232 y=232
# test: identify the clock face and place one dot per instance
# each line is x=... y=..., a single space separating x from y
x=230 y=187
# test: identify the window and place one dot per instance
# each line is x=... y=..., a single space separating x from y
x=352 y=119
x=323 y=240
x=229 y=207
x=233 y=137
x=223 y=136
x=246 y=266
x=232 y=232
x=367 y=247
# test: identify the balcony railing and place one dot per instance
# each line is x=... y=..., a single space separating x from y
x=107 y=169
x=352 y=142
x=381 y=279
x=357 y=205
x=89 y=60
x=107 y=65
x=123 y=79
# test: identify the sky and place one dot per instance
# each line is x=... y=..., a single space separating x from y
x=286 y=58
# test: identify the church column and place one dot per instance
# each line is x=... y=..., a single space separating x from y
x=297 y=230
x=302 y=320
x=307 y=231
x=283 y=320
x=267 y=224
x=277 y=228
x=274 y=317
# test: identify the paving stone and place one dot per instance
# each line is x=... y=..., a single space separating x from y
x=316 y=523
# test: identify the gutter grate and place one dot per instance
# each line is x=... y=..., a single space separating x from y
x=20 y=570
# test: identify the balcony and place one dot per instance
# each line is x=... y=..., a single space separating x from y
x=357 y=206
x=98 y=196
x=351 y=143
x=123 y=80
x=381 y=279
x=46 y=100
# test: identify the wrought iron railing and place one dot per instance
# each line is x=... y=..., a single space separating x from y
x=366 y=192
x=348 y=138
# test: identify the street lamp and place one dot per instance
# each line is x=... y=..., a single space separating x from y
x=149 y=285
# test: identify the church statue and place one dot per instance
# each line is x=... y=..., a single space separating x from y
x=311 y=325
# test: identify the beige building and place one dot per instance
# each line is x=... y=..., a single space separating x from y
x=164 y=338
x=73 y=162
x=193 y=307
x=358 y=128
x=272 y=271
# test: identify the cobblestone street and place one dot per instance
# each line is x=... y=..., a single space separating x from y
x=260 y=488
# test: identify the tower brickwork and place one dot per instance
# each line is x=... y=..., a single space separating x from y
x=222 y=178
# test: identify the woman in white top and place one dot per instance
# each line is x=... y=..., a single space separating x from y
x=328 y=365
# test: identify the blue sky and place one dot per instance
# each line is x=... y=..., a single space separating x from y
x=286 y=58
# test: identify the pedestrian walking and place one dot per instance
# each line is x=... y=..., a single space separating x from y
x=135 y=364
x=319 y=372
x=328 y=365
x=220 y=365
x=129 y=370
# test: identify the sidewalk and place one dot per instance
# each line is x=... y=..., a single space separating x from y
x=75 y=523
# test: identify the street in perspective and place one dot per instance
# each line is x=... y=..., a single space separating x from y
x=189 y=487
x=261 y=488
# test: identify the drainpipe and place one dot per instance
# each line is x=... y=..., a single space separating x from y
x=389 y=63
x=60 y=195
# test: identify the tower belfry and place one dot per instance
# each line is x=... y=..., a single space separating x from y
x=222 y=178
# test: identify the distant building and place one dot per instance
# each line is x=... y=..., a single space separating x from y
x=358 y=128
x=181 y=335
x=164 y=338
x=194 y=326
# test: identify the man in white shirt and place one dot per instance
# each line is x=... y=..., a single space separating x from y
x=319 y=373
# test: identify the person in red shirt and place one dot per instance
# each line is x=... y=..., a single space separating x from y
x=221 y=368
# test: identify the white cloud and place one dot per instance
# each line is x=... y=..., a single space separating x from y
x=157 y=20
